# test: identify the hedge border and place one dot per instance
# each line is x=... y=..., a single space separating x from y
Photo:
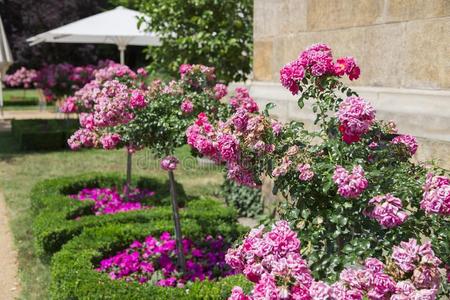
x=43 y=134
x=53 y=226
x=73 y=275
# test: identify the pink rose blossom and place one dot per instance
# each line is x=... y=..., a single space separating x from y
x=409 y=141
x=355 y=116
x=350 y=185
x=220 y=91
x=306 y=173
x=110 y=141
x=436 y=196
x=137 y=99
x=187 y=106
x=387 y=210
x=169 y=163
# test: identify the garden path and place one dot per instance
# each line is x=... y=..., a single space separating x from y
x=9 y=281
x=30 y=114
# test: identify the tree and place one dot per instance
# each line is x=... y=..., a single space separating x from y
x=209 y=32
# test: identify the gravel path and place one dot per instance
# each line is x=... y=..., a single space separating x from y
x=9 y=282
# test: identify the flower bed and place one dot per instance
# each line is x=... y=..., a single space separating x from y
x=154 y=260
x=110 y=201
x=74 y=274
x=54 y=223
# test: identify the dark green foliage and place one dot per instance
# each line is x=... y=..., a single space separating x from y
x=74 y=277
x=247 y=201
x=216 y=33
x=55 y=223
x=43 y=134
x=21 y=102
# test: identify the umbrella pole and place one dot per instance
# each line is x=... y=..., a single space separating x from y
x=122 y=53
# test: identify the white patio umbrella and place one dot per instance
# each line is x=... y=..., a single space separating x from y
x=117 y=26
x=6 y=60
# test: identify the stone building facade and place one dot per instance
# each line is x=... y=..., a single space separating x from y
x=402 y=47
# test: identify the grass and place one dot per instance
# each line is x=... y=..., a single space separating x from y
x=19 y=171
x=19 y=94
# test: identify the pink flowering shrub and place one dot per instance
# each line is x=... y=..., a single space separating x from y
x=62 y=80
x=351 y=189
x=162 y=123
x=154 y=261
x=272 y=260
x=223 y=144
x=21 y=78
x=107 y=105
x=173 y=106
x=109 y=201
x=316 y=61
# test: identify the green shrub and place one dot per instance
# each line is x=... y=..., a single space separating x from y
x=247 y=201
x=74 y=276
x=22 y=102
x=49 y=134
x=54 y=224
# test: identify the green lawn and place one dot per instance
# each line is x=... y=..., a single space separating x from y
x=19 y=94
x=20 y=171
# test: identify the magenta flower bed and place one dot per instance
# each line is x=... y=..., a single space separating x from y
x=109 y=201
x=154 y=260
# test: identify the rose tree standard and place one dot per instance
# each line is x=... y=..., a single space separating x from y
x=162 y=123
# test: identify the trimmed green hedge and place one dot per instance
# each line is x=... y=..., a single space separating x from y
x=54 y=224
x=21 y=102
x=74 y=276
x=51 y=134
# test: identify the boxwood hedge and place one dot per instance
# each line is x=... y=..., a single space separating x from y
x=45 y=134
x=55 y=223
x=74 y=276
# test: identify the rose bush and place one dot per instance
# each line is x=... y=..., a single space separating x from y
x=61 y=80
x=106 y=105
x=272 y=260
x=23 y=77
x=350 y=186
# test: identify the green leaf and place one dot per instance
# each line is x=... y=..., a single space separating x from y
x=268 y=107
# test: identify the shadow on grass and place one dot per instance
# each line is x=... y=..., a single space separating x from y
x=10 y=148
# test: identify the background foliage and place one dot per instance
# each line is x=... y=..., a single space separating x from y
x=210 y=32
x=247 y=201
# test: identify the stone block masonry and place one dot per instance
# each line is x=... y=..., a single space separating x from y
x=402 y=47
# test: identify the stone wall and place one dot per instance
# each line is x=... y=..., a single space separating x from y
x=402 y=46
x=398 y=43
